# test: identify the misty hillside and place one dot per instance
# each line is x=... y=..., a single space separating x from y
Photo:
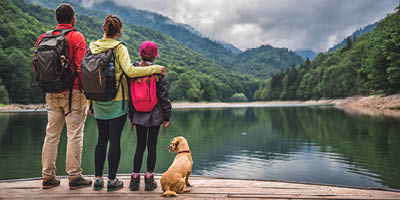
x=358 y=33
x=370 y=65
x=231 y=48
x=310 y=54
x=265 y=61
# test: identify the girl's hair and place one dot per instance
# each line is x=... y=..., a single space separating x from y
x=144 y=59
x=112 y=25
x=144 y=64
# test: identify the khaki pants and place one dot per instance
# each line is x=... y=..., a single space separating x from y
x=57 y=107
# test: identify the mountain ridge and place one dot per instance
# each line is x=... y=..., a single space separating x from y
x=254 y=60
x=223 y=54
x=310 y=54
x=356 y=34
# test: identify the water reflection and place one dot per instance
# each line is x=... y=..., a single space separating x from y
x=306 y=144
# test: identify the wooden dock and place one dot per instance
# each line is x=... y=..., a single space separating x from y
x=203 y=188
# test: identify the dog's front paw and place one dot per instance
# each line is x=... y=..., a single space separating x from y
x=186 y=190
x=189 y=185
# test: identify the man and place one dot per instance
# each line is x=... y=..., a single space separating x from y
x=59 y=111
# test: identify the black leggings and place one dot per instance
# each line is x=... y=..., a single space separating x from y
x=146 y=136
x=109 y=130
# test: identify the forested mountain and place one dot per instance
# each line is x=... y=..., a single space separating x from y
x=368 y=65
x=231 y=48
x=358 y=33
x=264 y=61
x=206 y=47
x=190 y=75
x=226 y=55
x=310 y=54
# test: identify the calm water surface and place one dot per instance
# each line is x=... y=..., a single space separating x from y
x=305 y=144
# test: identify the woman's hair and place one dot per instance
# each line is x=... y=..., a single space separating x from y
x=112 y=25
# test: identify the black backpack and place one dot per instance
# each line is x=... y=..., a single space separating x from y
x=54 y=73
x=98 y=76
x=52 y=67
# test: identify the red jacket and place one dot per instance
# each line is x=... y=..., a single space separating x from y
x=76 y=51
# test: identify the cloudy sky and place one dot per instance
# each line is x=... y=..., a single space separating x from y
x=296 y=24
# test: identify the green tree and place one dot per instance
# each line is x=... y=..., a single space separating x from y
x=238 y=97
x=186 y=88
x=3 y=94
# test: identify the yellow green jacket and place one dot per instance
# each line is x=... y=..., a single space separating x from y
x=122 y=63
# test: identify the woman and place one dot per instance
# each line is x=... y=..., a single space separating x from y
x=111 y=116
x=148 y=123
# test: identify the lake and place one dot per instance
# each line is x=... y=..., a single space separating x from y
x=302 y=144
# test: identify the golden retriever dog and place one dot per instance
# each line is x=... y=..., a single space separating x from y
x=177 y=176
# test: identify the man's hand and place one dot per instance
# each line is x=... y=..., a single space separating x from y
x=163 y=71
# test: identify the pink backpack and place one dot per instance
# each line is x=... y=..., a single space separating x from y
x=144 y=93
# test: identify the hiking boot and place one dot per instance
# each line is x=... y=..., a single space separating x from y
x=50 y=182
x=115 y=184
x=79 y=183
x=135 y=183
x=98 y=184
x=149 y=183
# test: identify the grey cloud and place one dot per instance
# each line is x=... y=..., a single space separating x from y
x=296 y=24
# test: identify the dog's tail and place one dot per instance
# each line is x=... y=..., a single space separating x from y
x=169 y=193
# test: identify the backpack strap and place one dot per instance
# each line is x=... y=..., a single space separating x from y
x=48 y=33
x=120 y=78
x=75 y=74
x=70 y=101
x=62 y=31
x=162 y=114
x=123 y=88
x=65 y=31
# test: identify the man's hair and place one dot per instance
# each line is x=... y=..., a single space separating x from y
x=64 y=13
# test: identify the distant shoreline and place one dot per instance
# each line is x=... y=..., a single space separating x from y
x=184 y=105
x=369 y=105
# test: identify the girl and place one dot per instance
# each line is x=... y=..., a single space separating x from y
x=111 y=116
x=148 y=123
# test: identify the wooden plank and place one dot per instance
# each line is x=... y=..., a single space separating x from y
x=204 y=188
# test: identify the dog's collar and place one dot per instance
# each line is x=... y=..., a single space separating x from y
x=187 y=151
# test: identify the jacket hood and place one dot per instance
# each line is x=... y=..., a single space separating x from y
x=103 y=45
